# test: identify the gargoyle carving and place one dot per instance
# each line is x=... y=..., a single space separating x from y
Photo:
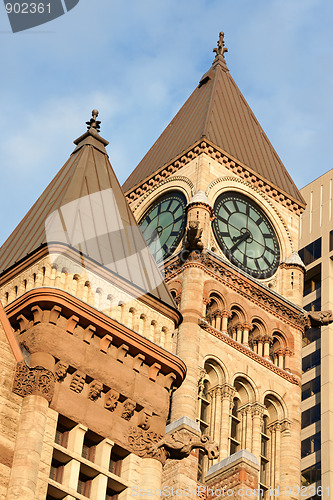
x=193 y=236
x=318 y=318
x=179 y=445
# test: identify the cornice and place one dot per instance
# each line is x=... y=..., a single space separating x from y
x=87 y=315
x=221 y=157
x=244 y=350
x=253 y=291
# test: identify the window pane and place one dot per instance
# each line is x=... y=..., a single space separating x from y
x=310 y=416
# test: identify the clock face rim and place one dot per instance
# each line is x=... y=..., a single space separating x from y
x=175 y=242
x=266 y=273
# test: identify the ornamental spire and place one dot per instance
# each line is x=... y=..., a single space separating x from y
x=93 y=123
x=220 y=49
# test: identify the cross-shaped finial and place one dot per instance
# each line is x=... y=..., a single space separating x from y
x=221 y=49
x=93 y=123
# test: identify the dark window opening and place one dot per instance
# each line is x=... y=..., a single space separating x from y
x=84 y=485
x=311 y=252
x=311 y=474
x=311 y=361
x=311 y=388
x=311 y=416
x=311 y=335
x=312 y=280
x=310 y=445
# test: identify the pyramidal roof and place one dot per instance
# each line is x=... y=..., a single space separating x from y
x=217 y=112
x=84 y=209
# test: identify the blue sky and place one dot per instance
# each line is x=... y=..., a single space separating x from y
x=138 y=61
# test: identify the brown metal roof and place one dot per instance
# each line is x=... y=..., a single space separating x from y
x=84 y=208
x=217 y=111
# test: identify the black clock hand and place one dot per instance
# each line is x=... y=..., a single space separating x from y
x=153 y=237
x=240 y=238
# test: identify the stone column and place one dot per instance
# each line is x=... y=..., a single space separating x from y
x=36 y=385
x=28 y=449
x=277 y=455
x=287 y=459
x=184 y=401
x=257 y=415
x=242 y=413
x=267 y=341
x=248 y=440
x=224 y=325
x=247 y=327
x=151 y=479
x=227 y=394
x=239 y=336
x=218 y=416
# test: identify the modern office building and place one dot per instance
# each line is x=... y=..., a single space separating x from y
x=316 y=244
x=94 y=343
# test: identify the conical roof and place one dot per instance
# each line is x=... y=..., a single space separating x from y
x=217 y=112
x=84 y=209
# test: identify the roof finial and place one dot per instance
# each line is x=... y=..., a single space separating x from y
x=221 y=49
x=93 y=123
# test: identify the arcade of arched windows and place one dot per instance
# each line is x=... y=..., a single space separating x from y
x=253 y=333
x=235 y=417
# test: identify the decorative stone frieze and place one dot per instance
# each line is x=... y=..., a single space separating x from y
x=37 y=380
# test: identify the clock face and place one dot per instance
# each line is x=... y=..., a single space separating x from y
x=246 y=235
x=163 y=224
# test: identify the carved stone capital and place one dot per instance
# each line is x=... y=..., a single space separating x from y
x=258 y=410
x=37 y=380
x=228 y=392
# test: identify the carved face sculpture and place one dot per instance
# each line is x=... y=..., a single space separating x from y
x=128 y=409
x=95 y=390
x=61 y=370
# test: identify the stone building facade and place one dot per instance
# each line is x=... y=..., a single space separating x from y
x=95 y=343
x=240 y=296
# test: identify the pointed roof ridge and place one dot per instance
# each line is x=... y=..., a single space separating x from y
x=73 y=215
x=218 y=112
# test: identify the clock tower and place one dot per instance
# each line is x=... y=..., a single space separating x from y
x=221 y=214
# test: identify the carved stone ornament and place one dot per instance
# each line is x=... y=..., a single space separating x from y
x=141 y=441
x=193 y=236
x=201 y=381
x=60 y=370
x=95 y=389
x=176 y=446
x=77 y=382
x=128 y=409
x=37 y=380
x=144 y=419
x=111 y=400
x=318 y=318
